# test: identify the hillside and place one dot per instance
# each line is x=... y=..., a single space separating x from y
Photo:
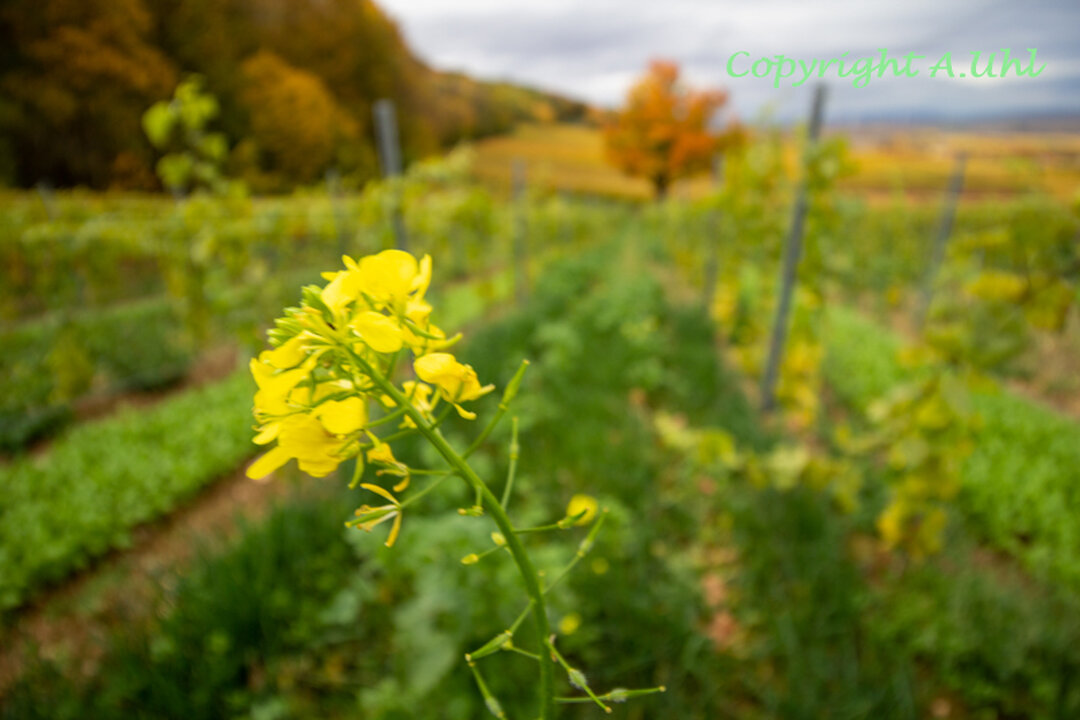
x=293 y=78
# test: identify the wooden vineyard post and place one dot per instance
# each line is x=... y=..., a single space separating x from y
x=333 y=187
x=789 y=271
x=521 y=228
x=712 y=249
x=48 y=198
x=941 y=240
x=386 y=133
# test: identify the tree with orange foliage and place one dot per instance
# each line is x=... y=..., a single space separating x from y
x=295 y=120
x=664 y=131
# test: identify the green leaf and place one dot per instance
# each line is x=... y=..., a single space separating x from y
x=157 y=123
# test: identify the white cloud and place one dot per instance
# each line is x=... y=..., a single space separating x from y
x=594 y=50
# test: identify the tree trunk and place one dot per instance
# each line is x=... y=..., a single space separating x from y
x=660 y=186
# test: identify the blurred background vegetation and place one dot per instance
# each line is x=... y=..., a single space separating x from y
x=899 y=537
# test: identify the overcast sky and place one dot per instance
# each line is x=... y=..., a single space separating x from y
x=593 y=50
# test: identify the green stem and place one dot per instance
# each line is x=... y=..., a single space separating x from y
x=514 y=451
x=520 y=618
x=493 y=705
x=521 y=557
x=421 y=493
x=583 y=550
x=615 y=695
x=577 y=678
x=514 y=648
x=391 y=417
x=504 y=405
x=398 y=435
x=541 y=528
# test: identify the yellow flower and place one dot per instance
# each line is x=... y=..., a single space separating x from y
x=274 y=387
x=457 y=382
x=305 y=397
x=314 y=411
x=570 y=624
x=421 y=397
x=378 y=332
x=344 y=287
x=287 y=355
x=301 y=436
x=582 y=504
x=392 y=276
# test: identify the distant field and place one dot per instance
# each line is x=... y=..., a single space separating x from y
x=915 y=162
x=561 y=157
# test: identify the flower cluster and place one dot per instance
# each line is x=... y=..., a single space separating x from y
x=327 y=391
x=333 y=364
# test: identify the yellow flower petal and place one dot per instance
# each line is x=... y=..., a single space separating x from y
x=267 y=433
x=419 y=311
x=456 y=382
x=282 y=383
x=342 y=290
x=465 y=414
x=423 y=277
x=267 y=464
x=436 y=368
x=288 y=354
x=379 y=332
x=260 y=371
x=320 y=467
x=274 y=389
x=380 y=491
x=381 y=453
x=342 y=417
x=303 y=436
x=388 y=276
x=394 y=530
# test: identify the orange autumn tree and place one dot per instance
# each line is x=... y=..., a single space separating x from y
x=664 y=132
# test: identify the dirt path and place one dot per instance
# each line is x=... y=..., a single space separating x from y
x=72 y=622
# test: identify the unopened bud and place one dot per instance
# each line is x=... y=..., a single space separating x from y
x=577 y=679
x=470 y=559
x=494 y=707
